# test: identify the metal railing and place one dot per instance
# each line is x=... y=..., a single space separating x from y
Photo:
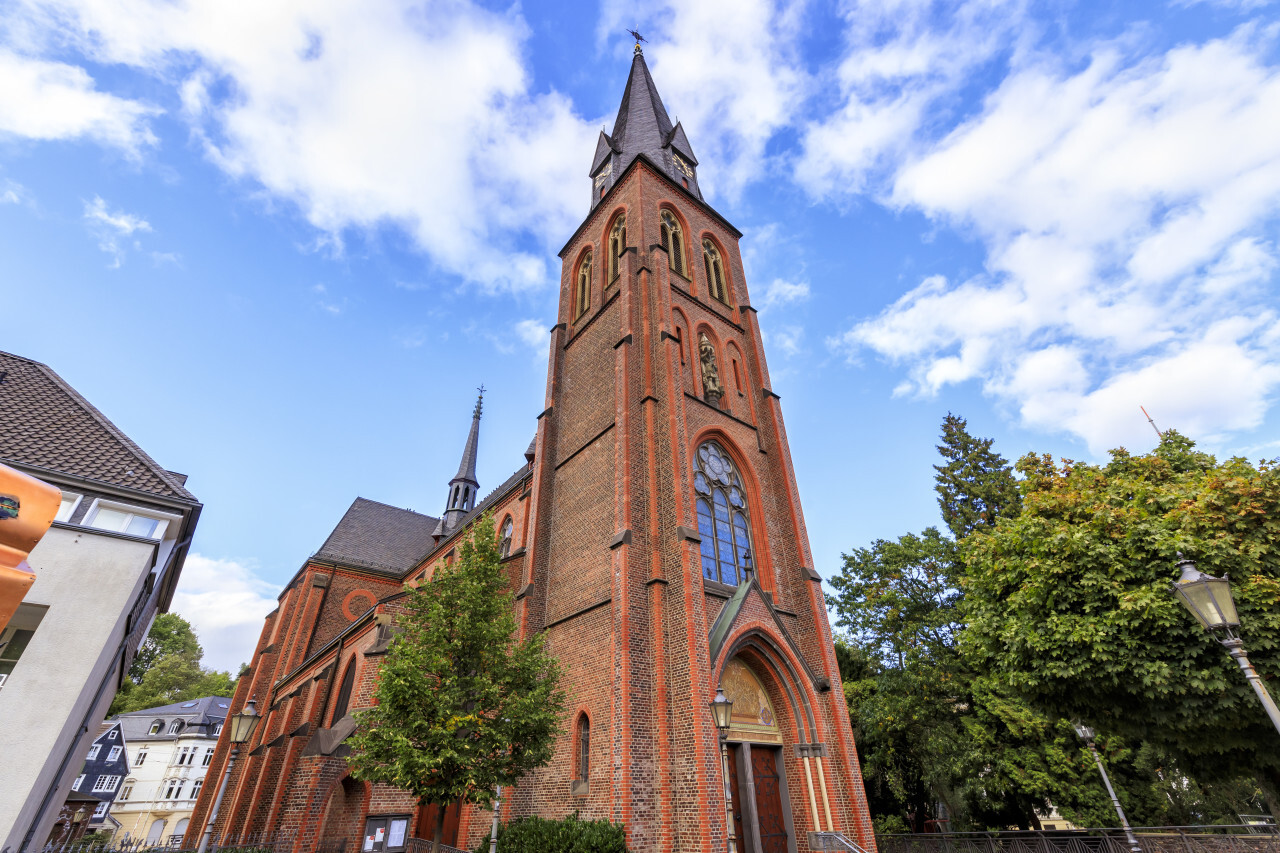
x=1236 y=838
x=423 y=845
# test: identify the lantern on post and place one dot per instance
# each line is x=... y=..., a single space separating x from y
x=1209 y=600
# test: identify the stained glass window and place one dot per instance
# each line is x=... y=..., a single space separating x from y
x=722 y=516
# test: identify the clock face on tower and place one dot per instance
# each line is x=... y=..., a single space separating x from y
x=682 y=165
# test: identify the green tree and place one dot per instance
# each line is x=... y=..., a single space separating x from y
x=168 y=669
x=1069 y=605
x=462 y=706
x=170 y=634
x=975 y=486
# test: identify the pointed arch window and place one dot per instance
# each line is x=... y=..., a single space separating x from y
x=722 y=515
x=504 y=544
x=673 y=241
x=583 y=757
x=715 y=271
x=344 y=694
x=582 y=296
x=617 y=245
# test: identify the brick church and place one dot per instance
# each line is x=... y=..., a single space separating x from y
x=653 y=533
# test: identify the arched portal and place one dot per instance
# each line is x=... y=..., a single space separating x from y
x=758 y=791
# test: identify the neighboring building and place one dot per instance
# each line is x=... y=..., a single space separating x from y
x=105 y=767
x=107 y=565
x=171 y=748
x=653 y=536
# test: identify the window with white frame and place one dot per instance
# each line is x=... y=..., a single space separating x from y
x=175 y=727
x=217 y=730
x=75 y=786
x=132 y=521
x=208 y=757
x=195 y=789
x=113 y=754
x=67 y=508
x=106 y=783
x=142 y=756
x=184 y=756
x=101 y=810
x=111 y=735
x=156 y=727
x=93 y=752
x=126 y=792
x=173 y=789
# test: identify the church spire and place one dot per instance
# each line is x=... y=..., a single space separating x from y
x=463 y=486
x=642 y=127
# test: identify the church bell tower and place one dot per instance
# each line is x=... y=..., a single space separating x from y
x=668 y=555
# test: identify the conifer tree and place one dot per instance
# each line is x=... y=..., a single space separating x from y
x=462 y=705
x=976 y=485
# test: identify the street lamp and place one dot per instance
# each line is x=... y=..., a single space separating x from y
x=722 y=713
x=1086 y=734
x=1209 y=600
x=240 y=730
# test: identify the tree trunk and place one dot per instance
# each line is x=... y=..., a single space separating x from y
x=439 y=833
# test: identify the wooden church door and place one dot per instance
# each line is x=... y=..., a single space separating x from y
x=768 y=785
x=735 y=798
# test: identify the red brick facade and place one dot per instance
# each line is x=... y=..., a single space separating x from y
x=606 y=561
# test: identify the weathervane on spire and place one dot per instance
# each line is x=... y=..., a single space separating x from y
x=480 y=400
x=639 y=38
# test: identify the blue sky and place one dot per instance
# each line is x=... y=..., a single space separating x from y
x=280 y=242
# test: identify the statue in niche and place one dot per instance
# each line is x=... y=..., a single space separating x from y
x=711 y=387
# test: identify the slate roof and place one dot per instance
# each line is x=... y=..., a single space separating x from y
x=377 y=536
x=197 y=714
x=48 y=425
x=467 y=467
x=644 y=128
x=212 y=707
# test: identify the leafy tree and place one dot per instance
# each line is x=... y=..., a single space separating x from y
x=462 y=706
x=168 y=669
x=976 y=485
x=1069 y=604
x=170 y=634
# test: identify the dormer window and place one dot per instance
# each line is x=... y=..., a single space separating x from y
x=68 y=507
x=175 y=727
x=156 y=727
x=131 y=521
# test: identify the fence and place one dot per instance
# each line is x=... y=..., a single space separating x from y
x=423 y=845
x=1240 y=838
x=246 y=843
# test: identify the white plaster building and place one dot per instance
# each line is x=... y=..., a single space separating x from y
x=108 y=564
x=170 y=748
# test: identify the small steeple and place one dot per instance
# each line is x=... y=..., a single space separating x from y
x=642 y=127
x=463 y=486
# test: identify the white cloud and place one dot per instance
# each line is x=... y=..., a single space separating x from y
x=111 y=228
x=780 y=292
x=788 y=340
x=47 y=100
x=902 y=59
x=363 y=114
x=12 y=192
x=226 y=602
x=533 y=333
x=1126 y=210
